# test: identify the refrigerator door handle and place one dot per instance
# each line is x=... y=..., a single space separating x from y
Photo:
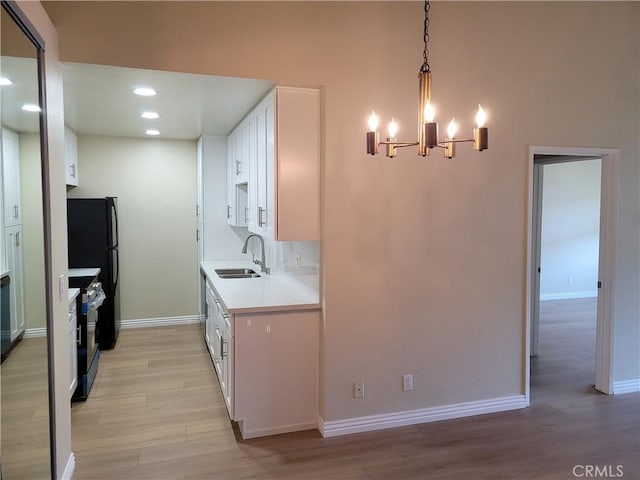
x=117 y=265
x=115 y=217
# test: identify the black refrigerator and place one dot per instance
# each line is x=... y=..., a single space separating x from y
x=92 y=227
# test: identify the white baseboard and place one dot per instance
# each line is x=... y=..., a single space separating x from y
x=626 y=386
x=263 y=432
x=35 y=332
x=70 y=468
x=568 y=295
x=135 y=323
x=412 y=417
x=159 y=322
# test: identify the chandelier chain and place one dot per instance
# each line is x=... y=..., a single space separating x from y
x=425 y=37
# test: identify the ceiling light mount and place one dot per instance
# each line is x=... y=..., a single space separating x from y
x=427 y=127
x=31 y=107
x=144 y=91
x=150 y=115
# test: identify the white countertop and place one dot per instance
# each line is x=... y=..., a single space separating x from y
x=265 y=294
x=73 y=293
x=84 y=272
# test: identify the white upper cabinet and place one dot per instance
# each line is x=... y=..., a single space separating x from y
x=200 y=200
x=11 y=177
x=246 y=145
x=71 y=157
x=231 y=187
x=240 y=148
x=285 y=202
x=262 y=210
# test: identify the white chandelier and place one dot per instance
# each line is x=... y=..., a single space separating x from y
x=427 y=127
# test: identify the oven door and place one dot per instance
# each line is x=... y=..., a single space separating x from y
x=92 y=323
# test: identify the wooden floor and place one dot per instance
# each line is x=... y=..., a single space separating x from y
x=155 y=412
x=25 y=412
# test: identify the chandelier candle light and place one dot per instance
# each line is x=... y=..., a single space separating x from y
x=427 y=127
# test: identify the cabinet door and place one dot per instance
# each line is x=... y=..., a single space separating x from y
x=73 y=349
x=245 y=149
x=252 y=181
x=13 y=239
x=11 y=177
x=200 y=180
x=276 y=371
x=71 y=157
x=231 y=203
x=209 y=320
x=237 y=155
x=225 y=374
x=265 y=125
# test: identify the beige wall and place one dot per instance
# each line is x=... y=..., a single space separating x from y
x=32 y=231
x=569 y=249
x=155 y=182
x=423 y=259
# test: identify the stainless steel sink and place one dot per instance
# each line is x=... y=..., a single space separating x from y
x=236 y=273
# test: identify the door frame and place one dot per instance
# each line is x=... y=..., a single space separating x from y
x=610 y=181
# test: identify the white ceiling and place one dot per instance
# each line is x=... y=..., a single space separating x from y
x=23 y=72
x=99 y=100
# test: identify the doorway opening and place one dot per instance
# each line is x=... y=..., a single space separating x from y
x=571 y=228
x=563 y=340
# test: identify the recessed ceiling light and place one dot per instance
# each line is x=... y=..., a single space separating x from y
x=150 y=115
x=29 y=107
x=152 y=132
x=5 y=81
x=145 y=92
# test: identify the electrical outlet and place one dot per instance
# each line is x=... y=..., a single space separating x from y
x=407 y=382
x=358 y=389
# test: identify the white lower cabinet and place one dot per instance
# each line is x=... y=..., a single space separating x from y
x=276 y=372
x=220 y=345
x=267 y=367
x=73 y=350
x=13 y=246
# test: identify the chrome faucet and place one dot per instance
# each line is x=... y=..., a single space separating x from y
x=262 y=263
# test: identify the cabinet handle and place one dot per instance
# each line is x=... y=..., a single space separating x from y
x=16 y=212
x=261 y=222
x=246 y=214
x=238 y=169
x=197 y=234
x=222 y=352
x=17 y=239
x=79 y=335
x=73 y=170
x=228 y=211
x=197 y=210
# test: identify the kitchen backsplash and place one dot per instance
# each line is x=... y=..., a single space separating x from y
x=299 y=260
